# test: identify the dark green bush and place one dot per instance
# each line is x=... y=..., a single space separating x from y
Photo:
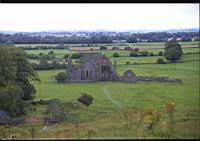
x=160 y=53
x=136 y=49
x=116 y=54
x=85 y=99
x=76 y=55
x=55 y=109
x=115 y=48
x=160 y=61
x=61 y=77
x=127 y=48
x=66 y=56
x=173 y=50
x=144 y=53
x=151 y=54
x=133 y=54
x=103 y=48
x=128 y=63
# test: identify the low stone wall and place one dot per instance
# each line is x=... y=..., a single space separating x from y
x=159 y=79
x=76 y=81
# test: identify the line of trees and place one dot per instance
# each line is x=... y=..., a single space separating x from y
x=40 y=56
x=43 y=47
x=93 y=39
x=45 y=65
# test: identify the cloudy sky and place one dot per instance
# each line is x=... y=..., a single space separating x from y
x=43 y=17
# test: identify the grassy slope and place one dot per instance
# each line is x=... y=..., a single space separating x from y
x=110 y=97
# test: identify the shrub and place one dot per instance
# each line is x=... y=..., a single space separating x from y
x=76 y=55
x=136 y=49
x=116 y=54
x=160 y=61
x=78 y=61
x=133 y=54
x=70 y=106
x=103 y=48
x=144 y=53
x=55 y=109
x=127 y=63
x=151 y=54
x=115 y=48
x=127 y=48
x=41 y=102
x=85 y=99
x=135 y=63
x=51 y=52
x=66 y=56
x=160 y=53
x=61 y=77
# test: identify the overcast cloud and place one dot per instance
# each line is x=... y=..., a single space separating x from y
x=43 y=17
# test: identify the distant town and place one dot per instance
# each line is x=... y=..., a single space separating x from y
x=97 y=36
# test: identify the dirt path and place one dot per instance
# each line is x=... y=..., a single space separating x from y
x=107 y=94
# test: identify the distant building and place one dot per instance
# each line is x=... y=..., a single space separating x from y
x=196 y=38
x=143 y=40
x=179 y=39
x=169 y=39
x=119 y=41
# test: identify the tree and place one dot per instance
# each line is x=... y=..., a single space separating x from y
x=173 y=54
x=151 y=54
x=160 y=53
x=127 y=48
x=116 y=54
x=103 y=48
x=136 y=49
x=7 y=65
x=24 y=73
x=144 y=53
x=51 y=52
x=10 y=100
x=61 y=77
x=133 y=54
x=173 y=50
x=43 y=64
x=15 y=75
x=132 y=39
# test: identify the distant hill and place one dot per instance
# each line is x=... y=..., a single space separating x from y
x=98 y=30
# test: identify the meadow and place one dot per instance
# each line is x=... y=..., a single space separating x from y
x=105 y=117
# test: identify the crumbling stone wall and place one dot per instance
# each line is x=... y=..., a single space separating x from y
x=129 y=76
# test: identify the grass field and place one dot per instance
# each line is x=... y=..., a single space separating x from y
x=104 y=117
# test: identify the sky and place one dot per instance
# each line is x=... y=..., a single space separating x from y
x=44 y=17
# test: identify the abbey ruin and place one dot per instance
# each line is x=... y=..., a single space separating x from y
x=97 y=67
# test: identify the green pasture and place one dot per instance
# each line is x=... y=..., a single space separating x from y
x=110 y=97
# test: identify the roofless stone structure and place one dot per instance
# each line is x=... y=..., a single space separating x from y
x=93 y=67
x=97 y=67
